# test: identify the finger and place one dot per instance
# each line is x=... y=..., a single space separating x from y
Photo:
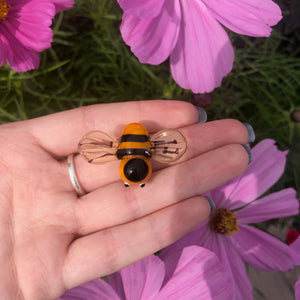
x=200 y=138
x=107 y=251
x=114 y=204
x=60 y=133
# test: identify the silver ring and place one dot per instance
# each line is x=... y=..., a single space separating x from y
x=79 y=190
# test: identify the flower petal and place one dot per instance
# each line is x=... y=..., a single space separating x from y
x=196 y=273
x=267 y=166
x=296 y=248
x=3 y=48
x=115 y=281
x=92 y=290
x=277 y=205
x=262 y=250
x=203 y=54
x=223 y=247
x=29 y=22
x=62 y=4
x=18 y=57
x=143 y=279
x=218 y=196
x=142 y=8
x=152 y=40
x=249 y=17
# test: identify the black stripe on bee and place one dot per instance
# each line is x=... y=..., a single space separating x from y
x=133 y=151
x=134 y=138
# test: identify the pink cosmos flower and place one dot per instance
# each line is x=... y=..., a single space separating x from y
x=237 y=204
x=25 y=30
x=296 y=248
x=190 y=33
x=193 y=273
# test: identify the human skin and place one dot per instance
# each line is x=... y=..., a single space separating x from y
x=53 y=240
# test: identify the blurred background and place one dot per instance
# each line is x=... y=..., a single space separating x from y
x=89 y=63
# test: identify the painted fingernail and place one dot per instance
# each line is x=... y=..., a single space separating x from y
x=202 y=115
x=248 y=151
x=251 y=134
x=211 y=203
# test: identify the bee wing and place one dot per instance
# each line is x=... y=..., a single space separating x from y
x=168 y=145
x=98 y=147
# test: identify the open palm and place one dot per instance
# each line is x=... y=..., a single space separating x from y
x=52 y=240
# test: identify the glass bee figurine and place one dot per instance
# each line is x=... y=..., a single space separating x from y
x=135 y=148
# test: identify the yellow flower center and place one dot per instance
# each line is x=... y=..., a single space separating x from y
x=223 y=221
x=4 y=7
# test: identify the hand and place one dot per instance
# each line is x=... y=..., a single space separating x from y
x=53 y=240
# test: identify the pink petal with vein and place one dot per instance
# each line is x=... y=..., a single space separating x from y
x=248 y=17
x=262 y=250
x=142 y=8
x=25 y=32
x=143 y=279
x=196 y=274
x=31 y=27
x=115 y=281
x=17 y=56
x=219 y=197
x=266 y=168
x=3 y=48
x=277 y=205
x=30 y=24
x=203 y=54
x=152 y=40
x=232 y=262
x=92 y=290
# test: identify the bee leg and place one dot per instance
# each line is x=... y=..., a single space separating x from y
x=126 y=184
x=142 y=184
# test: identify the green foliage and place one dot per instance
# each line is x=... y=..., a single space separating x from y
x=263 y=89
x=89 y=63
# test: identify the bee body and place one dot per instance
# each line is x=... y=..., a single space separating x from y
x=134 y=149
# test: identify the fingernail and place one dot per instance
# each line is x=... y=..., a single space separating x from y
x=251 y=134
x=202 y=115
x=248 y=151
x=211 y=203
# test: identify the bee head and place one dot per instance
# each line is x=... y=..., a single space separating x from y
x=135 y=128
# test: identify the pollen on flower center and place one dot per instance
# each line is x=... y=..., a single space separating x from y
x=223 y=221
x=4 y=7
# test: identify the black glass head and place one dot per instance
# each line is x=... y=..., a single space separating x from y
x=136 y=170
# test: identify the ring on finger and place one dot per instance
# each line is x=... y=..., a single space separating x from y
x=73 y=177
